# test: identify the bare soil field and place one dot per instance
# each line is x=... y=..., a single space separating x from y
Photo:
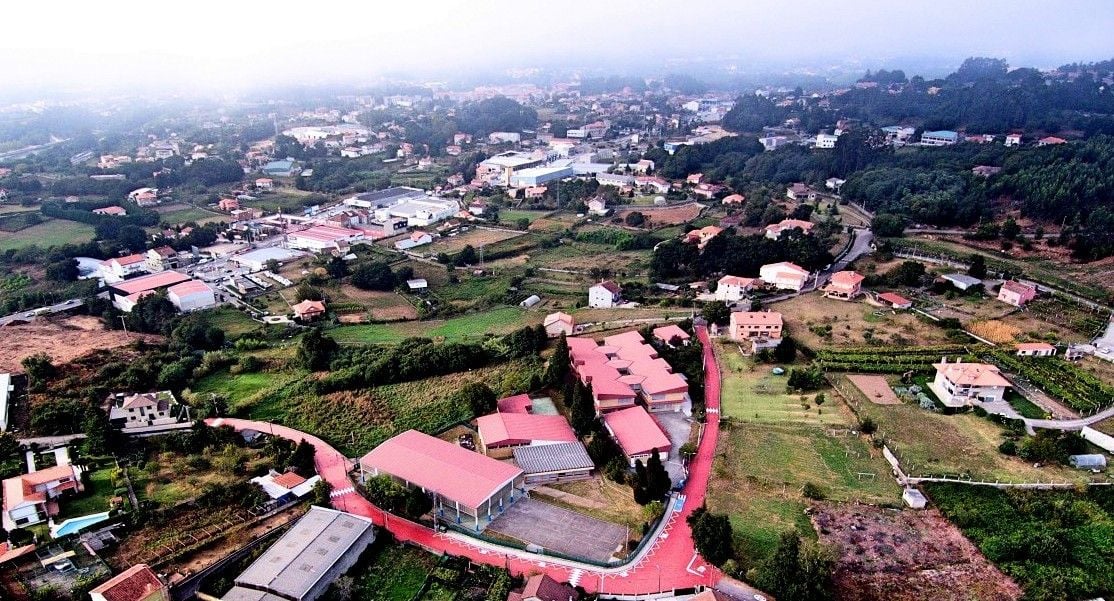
x=63 y=339
x=665 y=216
x=476 y=237
x=875 y=388
x=898 y=556
x=818 y=322
x=383 y=306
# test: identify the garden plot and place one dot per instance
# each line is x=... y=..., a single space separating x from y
x=818 y=322
x=475 y=237
x=875 y=388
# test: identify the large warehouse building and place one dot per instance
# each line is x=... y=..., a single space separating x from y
x=467 y=487
x=301 y=565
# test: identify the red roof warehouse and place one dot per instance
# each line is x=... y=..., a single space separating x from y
x=637 y=433
x=501 y=432
x=466 y=486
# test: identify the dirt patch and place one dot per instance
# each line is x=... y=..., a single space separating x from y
x=998 y=332
x=475 y=237
x=63 y=339
x=664 y=216
x=876 y=388
x=898 y=556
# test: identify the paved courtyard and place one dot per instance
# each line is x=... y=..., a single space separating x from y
x=677 y=428
x=560 y=530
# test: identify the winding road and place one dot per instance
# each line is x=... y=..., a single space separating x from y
x=667 y=563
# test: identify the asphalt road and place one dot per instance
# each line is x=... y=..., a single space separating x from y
x=30 y=314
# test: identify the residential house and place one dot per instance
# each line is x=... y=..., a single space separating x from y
x=799 y=191
x=614 y=179
x=416 y=238
x=308 y=310
x=161 y=258
x=477 y=207
x=1035 y=349
x=834 y=184
x=1013 y=140
x=598 y=206
x=762 y=329
x=694 y=179
x=287 y=486
x=734 y=199
x=672 y=335
x=228 y=204
x=115 y=211
x=604 y=295
x=844 y=285
x=895 y=301
x=264 y=183
x=144 y=197
x=774 y=230
x=559 y=323
x=702 y=236
x=784 y=275
x=732 y=288
x=147 y=412
x=137 y=583
x=985 y=170
x=541 y=587
x=31 y=498
x=1016 y=294
x=959 y=384
x=708 y=191
x=121 y=267
x=1051 y=141
x=825 y=141
x=659 y=185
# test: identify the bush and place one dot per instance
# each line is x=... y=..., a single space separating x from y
x=812 y=491
x=867 y=426
x=1008 y=447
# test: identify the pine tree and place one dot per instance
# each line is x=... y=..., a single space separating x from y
x=641 y=493
x=658 y=481
x=583 y=409
x=558 y=368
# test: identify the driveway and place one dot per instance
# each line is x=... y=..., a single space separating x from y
x=557 y=529
x=677 y=428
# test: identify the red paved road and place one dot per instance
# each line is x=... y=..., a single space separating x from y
x=671 y=562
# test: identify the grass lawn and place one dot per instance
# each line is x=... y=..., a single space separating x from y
x=240 y=389
x=170 y=478
x=53 y=232
x=180 y=213
x=752 y=394
x=929 y=443
x=760 y=469
x=496 y=321
x=513 y=215
x=1024 y=406
x=233 y=322
x=98 y=490
x=396 y=573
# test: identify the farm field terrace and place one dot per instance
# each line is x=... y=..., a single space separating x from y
x=52 y=232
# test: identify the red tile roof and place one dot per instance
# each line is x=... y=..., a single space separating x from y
x=288 y=480
x=501 y=429
x=1035 y=346
x=519 y=403
x=669 y=332
x=441 y=467
x=636 y=432
x=134 y=584
x=189 y=287
x=545 y=588
x=894 y=299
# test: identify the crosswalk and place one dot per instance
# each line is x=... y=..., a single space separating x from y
x=575 y=576
x=340 y=492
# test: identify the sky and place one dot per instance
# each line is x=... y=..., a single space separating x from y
x=241 y=44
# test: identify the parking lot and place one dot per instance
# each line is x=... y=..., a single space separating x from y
x=560 y=530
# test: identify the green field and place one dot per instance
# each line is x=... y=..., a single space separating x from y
x=98 y=490
x=510 y=216
x=184 y=213
x=53 y=232
x=396 y=573
x=495 y=321
x=751 y=393
x=232 y=322
x=759 y=487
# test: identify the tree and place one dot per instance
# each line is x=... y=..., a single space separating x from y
x=909 y=273
x=39 y=369
x=711 y=533
x=786 y=350
x=373 y=275
x=797 y=572
x=466 y=256
x=658 y=482
x=337 y=267
x=301 y=460
x=867 y=426
x=64 y=270
x=583 y=412
x=1010 y=229
x=153 y=314
x=635 y=219
x=805 y=379
x=272 y=265
x=716 y=312
x=99 y=434
x=315 y=350
x=478 y=396
x=321 y=493
x=885 y=225
x=977 y=267
x=558 y=367
x=306 y=292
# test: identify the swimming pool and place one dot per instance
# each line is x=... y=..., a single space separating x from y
x=73 y=525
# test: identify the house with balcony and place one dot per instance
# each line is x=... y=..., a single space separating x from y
x=33 y=498
x=960 y=384
x=844 y=285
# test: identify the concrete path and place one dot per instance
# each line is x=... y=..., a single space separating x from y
x=1070 y=424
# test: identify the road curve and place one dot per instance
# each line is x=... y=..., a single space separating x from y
x=668 y=563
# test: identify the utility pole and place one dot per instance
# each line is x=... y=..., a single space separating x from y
x=125 y=324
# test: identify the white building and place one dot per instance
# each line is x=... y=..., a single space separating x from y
x=537 y=176
x=118 y=268
x=784 y=276
x=959 y=384
x=732 y=288
x=826 y=140
x=191 y=295
x=322 y=237
x=604 y=295
x=416 y=238
x=419 y=212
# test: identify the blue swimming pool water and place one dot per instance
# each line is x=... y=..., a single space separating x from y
x=73 y=525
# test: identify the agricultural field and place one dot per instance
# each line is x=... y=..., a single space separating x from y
x=182 y=213
x=933 y=444
x=584 y=256
x=288 y=200
x=511 y=216
x=819 y=322
x=496 y=321
x=63 y=339
x=754 y=395
x=476 y=237
x=1074 y=387
x=373 y=304
x=656 y=217
x=394 y=573
x=233 y=322
x=52 y=232
x=760 y=486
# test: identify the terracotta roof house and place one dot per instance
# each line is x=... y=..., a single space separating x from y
x=799 y=191
x=112 y=210
x=559 y=323
x=541 y=587
x=604 y=295
x=895 y=301
x=1016 y=293
x=500 y=433
x=734 y=199
x=1035 y=349
x=959 y=384
x=732 y=288
x=636 y=433
x=624 y=369
x=308 y=310
x=137 y=583
x=1051 y=141
x=671 y=332
x=286 y=486
x=774 y=230
x=30 y=498
x=702 y=236
x=467 y=487
x=844 y=285
x=761 y=329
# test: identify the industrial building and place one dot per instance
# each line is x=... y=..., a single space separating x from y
x=322 y=237
x=538 y=176
x=191 y=295
x=301 y=565
x=127 y=293
x=256 y=260
x=467 y=488
x=384 y=198
x=553 y=463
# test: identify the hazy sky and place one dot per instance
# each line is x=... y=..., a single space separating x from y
x=197 y=44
